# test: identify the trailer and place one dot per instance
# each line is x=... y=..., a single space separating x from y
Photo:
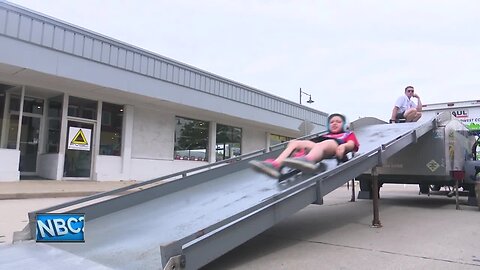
x=468 y=112
x=446 y=157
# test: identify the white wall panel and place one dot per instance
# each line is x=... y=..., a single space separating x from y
x=69 y=42
x=3 y=21
x=58 y=36
x=153 y=133
x=13 y=20
x=105 y=54
x=48 y=165
x=25 y=28
x=109 y=168
x=37 y=31
x=88 y=47
x=9 y=160
x=252 y=140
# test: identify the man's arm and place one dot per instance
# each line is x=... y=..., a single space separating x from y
x=351 y=145
x=345 y=148
x=352 y=141
x=419 y=105
x=394 y=113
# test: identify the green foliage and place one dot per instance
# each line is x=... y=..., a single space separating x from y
x=473 y=126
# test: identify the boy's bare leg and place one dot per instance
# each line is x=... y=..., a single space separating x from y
x=308 y=163
x=322 y=149
x=410 y=115
x=292 y=146
x=417 y=116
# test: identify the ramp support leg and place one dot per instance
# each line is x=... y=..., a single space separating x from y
x=319 y=199
x=352 y=199
x=457 y=176
x=457 y=205
x=376 y=220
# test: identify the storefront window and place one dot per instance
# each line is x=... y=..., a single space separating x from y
x=33 y=105
x=276 y=139
x=111 y=132
x=54 y=123
x=82 y=108
x=30 y=104
x=14 y=103
x=191 y=139
x=229 y=141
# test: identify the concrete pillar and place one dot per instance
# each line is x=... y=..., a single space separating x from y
x=127 y=138
x=212 y=142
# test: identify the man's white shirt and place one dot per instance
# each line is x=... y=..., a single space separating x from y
x=403 y=103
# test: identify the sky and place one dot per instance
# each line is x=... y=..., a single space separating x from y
x=352 y=56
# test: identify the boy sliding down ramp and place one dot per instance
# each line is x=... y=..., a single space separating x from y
x=305 y=155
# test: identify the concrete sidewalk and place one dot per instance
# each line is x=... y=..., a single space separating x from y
x=28 y=189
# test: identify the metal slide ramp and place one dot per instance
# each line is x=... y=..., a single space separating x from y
x=189 y=222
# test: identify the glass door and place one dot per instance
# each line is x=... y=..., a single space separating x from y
x=78 y=152
x=29 y=138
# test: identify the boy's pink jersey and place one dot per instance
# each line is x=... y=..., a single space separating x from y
x=340 y=138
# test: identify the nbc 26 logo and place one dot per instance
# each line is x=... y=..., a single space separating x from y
x=66 y=227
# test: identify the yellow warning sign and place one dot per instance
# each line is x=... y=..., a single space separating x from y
x=79 y=138
x=433 y=165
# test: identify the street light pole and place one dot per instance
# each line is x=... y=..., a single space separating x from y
x=304 y=93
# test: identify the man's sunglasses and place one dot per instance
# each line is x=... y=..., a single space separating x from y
x=410 y=91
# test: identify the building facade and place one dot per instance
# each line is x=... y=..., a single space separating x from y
x=78 y=105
